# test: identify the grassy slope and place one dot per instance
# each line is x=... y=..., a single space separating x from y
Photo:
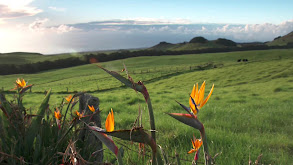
x=250 y=111
x=24 y=58
x=283 y=41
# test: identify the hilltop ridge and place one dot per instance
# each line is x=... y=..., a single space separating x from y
x=195 y=43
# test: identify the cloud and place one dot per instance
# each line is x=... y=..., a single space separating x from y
x=254 y=32
x=38 y=25
x=123 y=34
x=63 y=29
x=57 y=8
x=141 y=21
x=14 y=8
x=237 y=32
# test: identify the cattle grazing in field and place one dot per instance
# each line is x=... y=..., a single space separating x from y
x=244 y=60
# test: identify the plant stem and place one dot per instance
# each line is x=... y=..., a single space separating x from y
x=119 y=158
x=152 y=119
x=153 y=127
x=208 y=160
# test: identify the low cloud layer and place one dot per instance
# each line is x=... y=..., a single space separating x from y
x=123 y=34
x=39 y=25
x=239 y=33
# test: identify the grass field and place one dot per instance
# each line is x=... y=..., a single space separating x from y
x=249 y=113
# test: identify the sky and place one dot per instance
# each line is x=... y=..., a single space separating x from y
x=62 y=26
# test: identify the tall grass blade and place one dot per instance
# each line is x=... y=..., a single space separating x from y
x=164 y=155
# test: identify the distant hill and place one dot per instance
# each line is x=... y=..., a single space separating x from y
x=20 y=53
x=195 y=43
x=286 y=40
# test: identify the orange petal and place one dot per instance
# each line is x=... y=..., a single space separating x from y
x=193 y=92
x=197 y=143
x=20 y=83
x=68 y=98
x=191 y=151
x=193 y=144
x=23 y=83
x=57 y=114
x=91 y=108
x=109 y=124
x=193 y=106
x=206 y=100
x=79 y=115
x=192 y=95
x=201 y=93
x=196 y=93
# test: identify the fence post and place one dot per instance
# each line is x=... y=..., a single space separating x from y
x=88 y=139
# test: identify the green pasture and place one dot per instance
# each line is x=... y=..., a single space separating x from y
x=249 y=113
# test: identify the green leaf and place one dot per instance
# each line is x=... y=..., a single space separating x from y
x=187 y=119
x=2 y=133
x=36 y=123
x=136 y=135
x=105 y=139
x=43 y=107
x=5 y=106
x=129 y=82
x=37 y=148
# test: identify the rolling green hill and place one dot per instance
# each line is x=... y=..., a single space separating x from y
x=249 y=112
x=19 y=58
x=282 y=41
